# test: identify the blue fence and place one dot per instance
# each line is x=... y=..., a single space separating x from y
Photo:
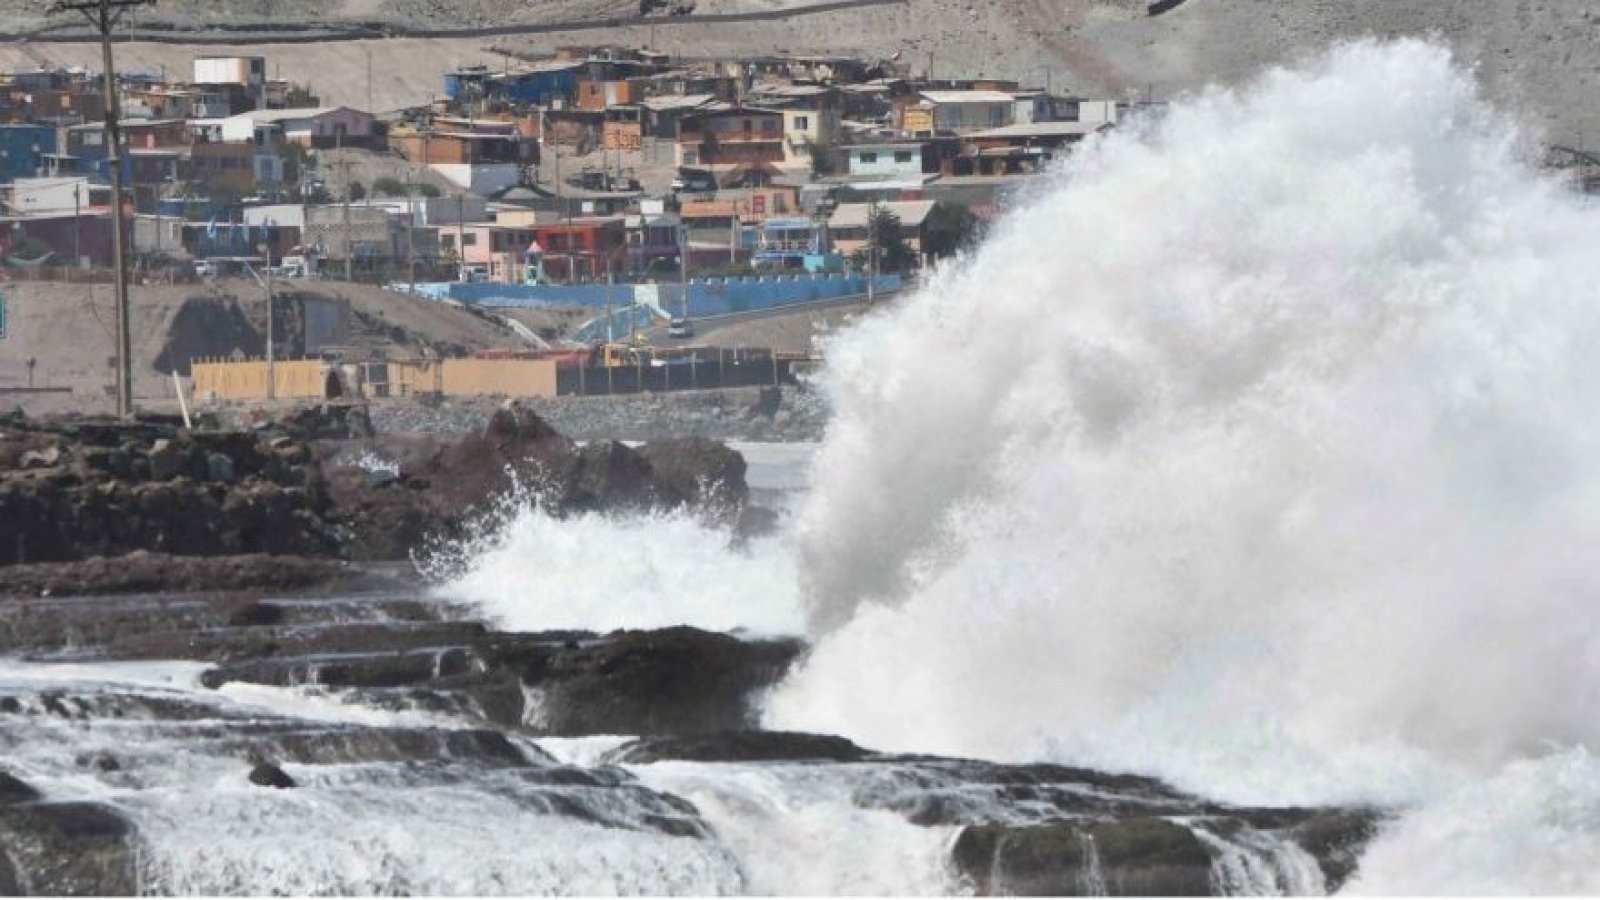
x=707 y=297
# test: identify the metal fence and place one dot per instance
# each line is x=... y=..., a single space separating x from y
x=693 y=374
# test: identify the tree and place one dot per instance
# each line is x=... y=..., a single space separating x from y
x=357 y=191
x=948 y=229
x=429 y=190
x=883 y=227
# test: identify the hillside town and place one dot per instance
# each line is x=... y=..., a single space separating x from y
x=599 y=164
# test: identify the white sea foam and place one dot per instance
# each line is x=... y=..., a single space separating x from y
x=532 y=571
x=1260 y=452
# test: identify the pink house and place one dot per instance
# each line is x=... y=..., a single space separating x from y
x=498 y=251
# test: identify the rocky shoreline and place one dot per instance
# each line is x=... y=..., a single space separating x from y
x=319 y=483
x=228 y=563
x=688 y=696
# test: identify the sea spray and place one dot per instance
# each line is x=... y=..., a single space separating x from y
x=528 y=569
x=1263 y=453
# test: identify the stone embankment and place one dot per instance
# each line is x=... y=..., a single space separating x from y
x=736 y=414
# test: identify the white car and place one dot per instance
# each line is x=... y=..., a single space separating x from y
x=680 y=328
x=204 y=268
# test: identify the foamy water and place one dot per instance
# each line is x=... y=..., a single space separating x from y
x=1261 y=453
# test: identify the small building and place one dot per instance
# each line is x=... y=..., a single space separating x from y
x=319 y=127
x=956 y=112
x=623 y=128
x=662 y=114
x=246 y=72
x=849 y=227
x=225 y=165
x=152 y=134
x=794 y=243
x=597 y=94
x=1019 y=148
x=25 y=150
x=730 y=137
x=652 y=238
x=580 y=249
x=81 y=238
x=898 y=159
x=548 y=83
x=500 y=252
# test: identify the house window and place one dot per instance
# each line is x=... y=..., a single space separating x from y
x=470 y=239
x=997 y=115
x=447 y=241
x=868 y=159
x=802 y=123
x=902 y=156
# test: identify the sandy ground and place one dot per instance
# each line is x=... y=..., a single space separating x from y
x=67 y=329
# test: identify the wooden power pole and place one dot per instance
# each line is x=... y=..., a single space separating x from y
x=104 y=15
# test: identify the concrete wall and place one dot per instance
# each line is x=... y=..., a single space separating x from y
x=305 y=378
x=707 y=297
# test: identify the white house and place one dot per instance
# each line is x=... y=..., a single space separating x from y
x=321 y=126
x=958 y=112
x=890 y=160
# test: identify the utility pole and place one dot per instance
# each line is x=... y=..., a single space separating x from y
x=461 y=237
x=349 y=245
x=104 y=16
x=683 y=263
x=411 y=239
x=872 y=250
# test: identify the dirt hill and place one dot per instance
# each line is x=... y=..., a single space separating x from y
x=67 y=330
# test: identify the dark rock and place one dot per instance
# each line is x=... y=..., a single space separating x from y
x=444 y=485
x=269 y=775
x=739 y=746
x=167 y=460
x=141 y=572
x=1139 y=856
x=1336 y=838
x=219 y=467
x=68 y=849
x=15 y=790
x=677 y=681
x=256 y=614
x=147 y=486
x=701 y=471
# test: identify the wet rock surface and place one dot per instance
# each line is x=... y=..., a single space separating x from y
x=472 y=705
x=254 y=689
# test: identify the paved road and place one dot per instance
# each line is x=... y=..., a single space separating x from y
x=786 y=328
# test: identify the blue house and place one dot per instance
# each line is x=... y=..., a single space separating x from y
x=542 y=84
x=23 y=150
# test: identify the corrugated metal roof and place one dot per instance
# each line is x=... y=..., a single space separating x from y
x=677 y=101
x=1040 y=129
x=967 y=96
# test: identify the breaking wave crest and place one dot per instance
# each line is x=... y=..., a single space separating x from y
x=529 y=570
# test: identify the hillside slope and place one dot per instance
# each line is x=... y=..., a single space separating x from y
x=1538 y=57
